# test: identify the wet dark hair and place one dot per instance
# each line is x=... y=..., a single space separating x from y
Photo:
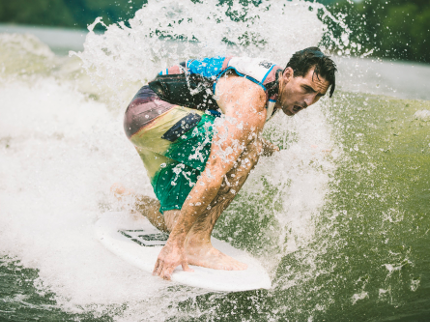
x=303 y=60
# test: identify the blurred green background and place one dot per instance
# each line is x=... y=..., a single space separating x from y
x=392 y=29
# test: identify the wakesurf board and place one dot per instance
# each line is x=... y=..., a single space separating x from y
x=132 y=238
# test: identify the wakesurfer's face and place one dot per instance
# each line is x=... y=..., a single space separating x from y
x=300 y=92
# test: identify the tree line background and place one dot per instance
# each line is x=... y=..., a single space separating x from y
x=393 y=29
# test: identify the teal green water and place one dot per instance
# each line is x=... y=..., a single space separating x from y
x=20 y=300
x=368 y=261
x=372 y=244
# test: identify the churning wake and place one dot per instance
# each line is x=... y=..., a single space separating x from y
x=62 y=146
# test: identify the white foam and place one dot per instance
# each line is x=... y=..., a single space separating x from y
x=61 y=151
x=63 y=154
x=422 y=114
x=123 y=56
x=301 y=172
x=359 y=296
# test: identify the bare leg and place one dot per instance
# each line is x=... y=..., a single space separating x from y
x=200 y=251
x=147 y=206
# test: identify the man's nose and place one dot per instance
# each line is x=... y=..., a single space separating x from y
x=310 y=99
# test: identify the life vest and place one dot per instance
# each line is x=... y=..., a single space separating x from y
x=193 y=83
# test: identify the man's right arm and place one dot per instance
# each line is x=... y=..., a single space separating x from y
x=244 y=106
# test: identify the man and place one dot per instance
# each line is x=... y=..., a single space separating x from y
x=197 y=160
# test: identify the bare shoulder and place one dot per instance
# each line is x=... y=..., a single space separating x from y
x=239 y=94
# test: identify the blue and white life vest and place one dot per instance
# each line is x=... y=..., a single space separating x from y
x=193 y=83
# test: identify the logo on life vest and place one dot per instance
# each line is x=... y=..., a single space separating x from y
x=265 y=64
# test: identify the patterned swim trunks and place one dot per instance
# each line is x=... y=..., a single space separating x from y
x=174 y=143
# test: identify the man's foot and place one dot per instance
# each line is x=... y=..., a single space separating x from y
x=205 y=255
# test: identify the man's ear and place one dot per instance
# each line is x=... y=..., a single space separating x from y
x=288 y=74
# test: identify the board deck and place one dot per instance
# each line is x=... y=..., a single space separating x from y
x=135 y=240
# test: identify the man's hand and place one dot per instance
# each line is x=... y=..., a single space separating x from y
x=268 y=148
x=171 y=256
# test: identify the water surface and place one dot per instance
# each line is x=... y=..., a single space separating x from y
x=339 y=217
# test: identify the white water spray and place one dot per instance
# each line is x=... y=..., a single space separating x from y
x=61 y=149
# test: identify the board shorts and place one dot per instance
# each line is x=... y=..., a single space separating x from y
x=174 y=143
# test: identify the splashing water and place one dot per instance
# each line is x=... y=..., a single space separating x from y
x=62 y=146
x=164 y=33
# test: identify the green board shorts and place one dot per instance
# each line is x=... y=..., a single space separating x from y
x=174 y=143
